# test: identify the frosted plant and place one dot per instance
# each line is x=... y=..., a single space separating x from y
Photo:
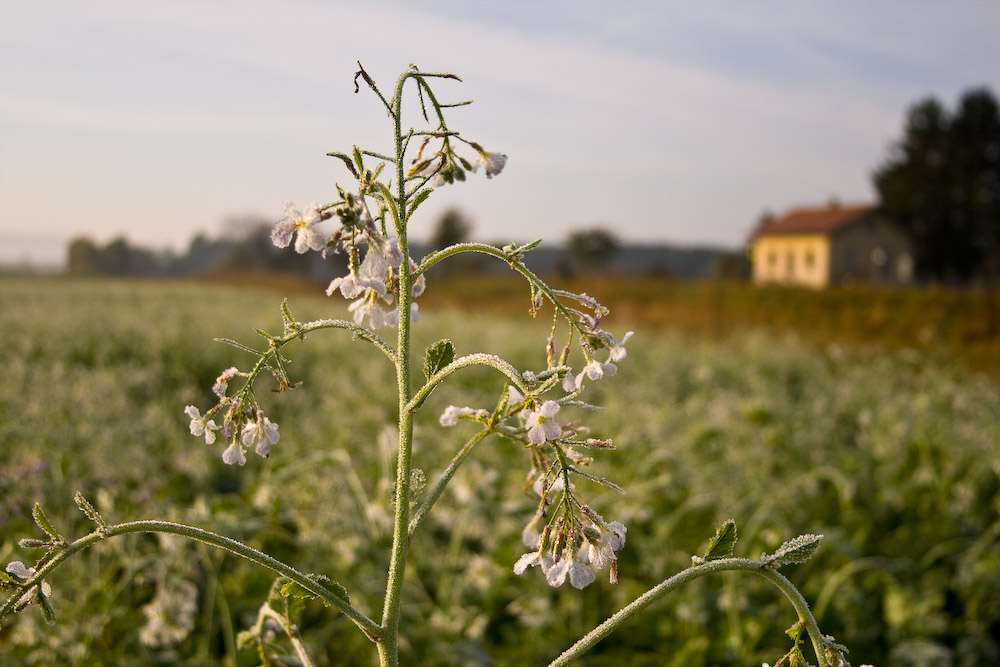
x=539 y=408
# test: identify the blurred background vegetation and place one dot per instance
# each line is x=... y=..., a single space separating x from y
x=869 y=415
x=863 y=416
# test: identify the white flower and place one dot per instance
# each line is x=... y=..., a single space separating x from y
x=452 y=414
x=595 y=370
x=390 y=250
x=618 y=346
x=534 y=558
x=348 y=286
x=574 y=567
x=494 y=163
x=541 y=424
x=302 y=224
x=418 y=286
x=19 y=570
x=370 y=307
x=372 y=272
x=201 y=425
x=234 y=454
x=524 y=561
x=222 y=382
x=260 y=434
x=605 y=549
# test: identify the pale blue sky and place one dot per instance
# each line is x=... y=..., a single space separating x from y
x=666 y=122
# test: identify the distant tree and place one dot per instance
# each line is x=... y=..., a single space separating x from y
x=942 y=183
x=451 y=228
x=83 y=257
x=116 y=257
x=592 y=248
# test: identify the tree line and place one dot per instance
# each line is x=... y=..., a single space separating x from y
x=940 y=183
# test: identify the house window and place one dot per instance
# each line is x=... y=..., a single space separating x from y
x=810 y=259
x=790 y=263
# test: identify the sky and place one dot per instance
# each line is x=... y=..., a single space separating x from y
x=663 y=122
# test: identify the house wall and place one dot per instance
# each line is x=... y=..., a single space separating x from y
x=871 y=251
x=799 y=259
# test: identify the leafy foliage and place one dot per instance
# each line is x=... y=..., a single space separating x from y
x=891 y=456
x=721 y=545
x=793 y=552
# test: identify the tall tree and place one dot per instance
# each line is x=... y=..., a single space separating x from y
x=941 y=181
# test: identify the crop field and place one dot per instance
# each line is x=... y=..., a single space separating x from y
x=892 y=452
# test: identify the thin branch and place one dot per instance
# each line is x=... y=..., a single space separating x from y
x=327 y=595
x=477 y=359
x=439 y=486
x=589 y=640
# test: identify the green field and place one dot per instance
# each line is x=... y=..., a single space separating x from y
x=889 y=449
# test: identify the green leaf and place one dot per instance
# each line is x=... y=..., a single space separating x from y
x=417 y=200
x=721 y=546
x=43 y=522
x=291 y=588
x=437 y=356
x=89 y=510
x=358 y=161
x=798 y=550
x=531 y=245
x=347 y=161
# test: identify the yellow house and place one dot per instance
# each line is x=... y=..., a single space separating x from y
x=831 y=245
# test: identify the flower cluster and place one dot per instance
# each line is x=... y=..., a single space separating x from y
x=244 y=426
x=575 y=550
x=242 y=429
x=575 y=541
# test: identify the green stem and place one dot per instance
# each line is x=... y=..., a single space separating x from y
x=388 y=648
x=486 y=249
x=328 y=596
x=589 y=640
x=477 y=359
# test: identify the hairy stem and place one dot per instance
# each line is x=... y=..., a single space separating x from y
x=388 y=649
x=328 y=596
x=476 y=359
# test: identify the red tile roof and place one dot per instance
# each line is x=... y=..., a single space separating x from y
x=814 y=220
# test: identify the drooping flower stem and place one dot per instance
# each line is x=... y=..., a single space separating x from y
x=317 y=588
x=589 y=640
